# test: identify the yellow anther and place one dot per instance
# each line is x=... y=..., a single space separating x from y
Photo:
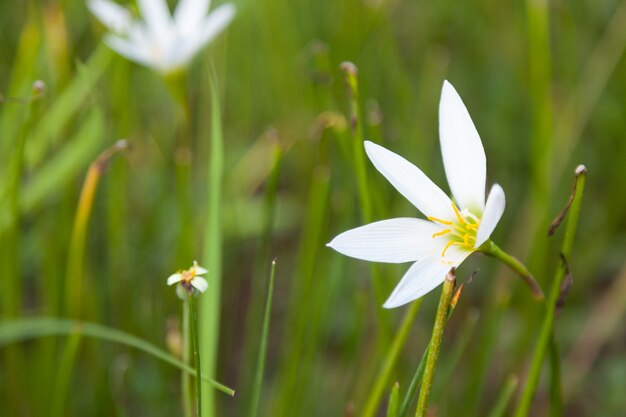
x=472 y=226
x=458 y=214
x=434 y=219
x=443 y=232
x=450 y=243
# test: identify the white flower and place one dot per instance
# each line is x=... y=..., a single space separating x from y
x=454 y=230
x=190 y=278
x=159 y=40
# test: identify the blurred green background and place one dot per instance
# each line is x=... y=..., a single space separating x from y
x=546 y=87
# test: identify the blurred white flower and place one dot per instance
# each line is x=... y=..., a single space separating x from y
x=190 y=279
x=454 y=230
x=159 y=40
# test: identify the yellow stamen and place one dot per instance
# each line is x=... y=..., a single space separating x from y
x=458 y=214
x=434 y=219
x=450 y=243
x=471 y=226
x=443 y=232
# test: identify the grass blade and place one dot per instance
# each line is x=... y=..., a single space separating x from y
x=260 y=370
x=14 y=331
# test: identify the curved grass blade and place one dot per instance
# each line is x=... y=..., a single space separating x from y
x=15 y=331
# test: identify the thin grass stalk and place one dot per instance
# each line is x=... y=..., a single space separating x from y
x=209 y=308
x=384 y=374
x=350 y=73
x=65 y=374
x=262 y=259
x=435 y=344
x=193 y=318
x=11 y=290
x=392 y=407
x=184 y=378
x=20 y=330
x=260 y=369
x=504 y=398
x=547 y=327
x=74 y=294
x=555 y=385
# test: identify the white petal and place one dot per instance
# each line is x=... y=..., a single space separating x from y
x=156 y=14
x=174 y=278
x=112 y=15
x=462 y=150
x=424 y=275
x=217 y=21
x=493 y=211
x=411 y=182
x=189 y=14
x=200 y=284
x=394 y=241
x=129 y=49
x=200 y=270
x=211 y=27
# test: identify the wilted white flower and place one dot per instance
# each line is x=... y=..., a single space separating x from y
x=453 y=230
x=159 y=40
x=190 y=278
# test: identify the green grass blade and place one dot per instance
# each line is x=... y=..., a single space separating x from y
x=260 y=369
x=382 y=379
x=210 y=304
x=65 y=165
x=19 y=330
x=392 y=407
x=504 y=397
x=542 y=346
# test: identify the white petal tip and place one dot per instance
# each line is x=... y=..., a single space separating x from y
x=200 y=284
x=173 y=279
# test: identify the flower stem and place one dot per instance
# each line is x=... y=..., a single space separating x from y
x=196 y=350
x=185 y=388
x=491 y=249
x=419 y=372
x=435 y=343
x=528 y=392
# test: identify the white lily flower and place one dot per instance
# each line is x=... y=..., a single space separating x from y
x=190 y=278
x=453 y=230
x=159 y=40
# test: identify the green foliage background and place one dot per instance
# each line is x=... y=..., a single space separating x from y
x=544 y=84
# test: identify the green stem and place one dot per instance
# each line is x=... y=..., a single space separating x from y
x=392 y=407
x=505 y=396
x=556 y=392
x=350 y=72
x=210 y=305
x=542 y=347
x=196 y=350
x=185 y=387
x=435 y=344
x=260 y=370
x=491 y=249
x=382 y=380
x=65 y=374
x=411 y=392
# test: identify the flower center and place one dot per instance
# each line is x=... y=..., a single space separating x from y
x=461 y=233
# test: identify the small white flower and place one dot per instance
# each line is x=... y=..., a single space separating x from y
x=190 y=278
x=159 y=40
x=454 y=230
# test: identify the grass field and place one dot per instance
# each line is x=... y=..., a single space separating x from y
x=253 y=153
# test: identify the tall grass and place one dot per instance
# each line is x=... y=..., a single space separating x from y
x=273 y=167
